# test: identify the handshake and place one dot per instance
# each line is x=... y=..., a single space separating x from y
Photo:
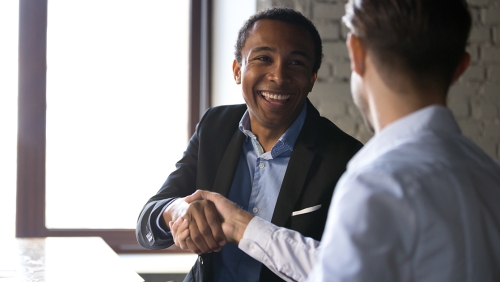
x=205 y=221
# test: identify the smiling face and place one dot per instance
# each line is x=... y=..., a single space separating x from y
x=275 y=73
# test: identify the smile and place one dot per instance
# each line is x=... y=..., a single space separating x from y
x=269 y=95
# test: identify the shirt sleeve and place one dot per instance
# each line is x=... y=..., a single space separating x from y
x=286 y=252
x=370 y=232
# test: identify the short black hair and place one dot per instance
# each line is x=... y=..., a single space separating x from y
x=286 y=15
x=425 y=39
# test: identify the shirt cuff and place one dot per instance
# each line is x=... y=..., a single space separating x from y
x=256 y=237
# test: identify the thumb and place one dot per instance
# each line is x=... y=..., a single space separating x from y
x=196 y=196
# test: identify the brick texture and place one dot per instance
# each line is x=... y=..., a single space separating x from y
x=479 y=2
x=480 y=34
x=474 y=99
x=494 y=74
x=492 y=13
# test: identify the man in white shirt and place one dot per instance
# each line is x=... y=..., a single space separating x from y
x=420 y=202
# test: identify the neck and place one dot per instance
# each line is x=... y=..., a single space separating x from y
x=387 y=110
x=266 y=136
x=389 y=103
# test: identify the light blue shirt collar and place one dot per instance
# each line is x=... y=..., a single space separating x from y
x=285 y=143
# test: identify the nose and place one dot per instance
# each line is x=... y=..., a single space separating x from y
x=278 y=73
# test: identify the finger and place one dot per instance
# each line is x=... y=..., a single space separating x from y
x=174 y=228
x=198 y=238
x=209 y=226
x=214 y=222
x=181 y=228
x=181 y=238
x=202 y=195
x=223 y=204
x=192 y=246
x=195 y=241
x=170 y=225
x=196 y=196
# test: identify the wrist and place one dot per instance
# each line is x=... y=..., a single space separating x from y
x=175 y=210
x=240 y=220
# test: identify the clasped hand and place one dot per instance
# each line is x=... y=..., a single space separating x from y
x=207 y=221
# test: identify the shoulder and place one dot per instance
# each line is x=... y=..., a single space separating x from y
x=222 y=117
x=434 y=155
x=321 y=131
x=227 y=111
x=392 y=172
x=394 y=176
x=416 y=165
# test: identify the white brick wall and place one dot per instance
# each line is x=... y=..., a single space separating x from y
x=474 y=100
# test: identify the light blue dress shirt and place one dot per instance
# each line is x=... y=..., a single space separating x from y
x=255 y=188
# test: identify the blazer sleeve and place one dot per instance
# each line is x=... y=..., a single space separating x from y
x=180 y=183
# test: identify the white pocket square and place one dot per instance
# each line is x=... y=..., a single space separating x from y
x=306 y=210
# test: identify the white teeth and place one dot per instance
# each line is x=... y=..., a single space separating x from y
x=275 y=96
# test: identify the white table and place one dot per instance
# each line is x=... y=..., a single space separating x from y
x=55 y=259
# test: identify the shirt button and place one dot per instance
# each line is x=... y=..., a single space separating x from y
x=255 y=210
x=261 y=165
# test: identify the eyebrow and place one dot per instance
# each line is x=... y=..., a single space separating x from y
x=267 y=48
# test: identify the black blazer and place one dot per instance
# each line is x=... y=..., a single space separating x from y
x=318 y=160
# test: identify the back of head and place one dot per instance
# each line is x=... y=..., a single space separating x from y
x=423 y=39
x=286 y=15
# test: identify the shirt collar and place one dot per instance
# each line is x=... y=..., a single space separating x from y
x=287 y=141
x=433 y=118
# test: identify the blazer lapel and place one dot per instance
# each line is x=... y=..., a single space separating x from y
x=298 y=168
x=227 y=168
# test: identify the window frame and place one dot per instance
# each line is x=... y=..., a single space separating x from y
x=30 y=202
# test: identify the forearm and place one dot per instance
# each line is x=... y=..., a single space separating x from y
x=285 y=252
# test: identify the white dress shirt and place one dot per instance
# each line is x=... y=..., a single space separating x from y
x=419 y=202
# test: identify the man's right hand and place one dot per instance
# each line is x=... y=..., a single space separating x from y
x=235 y=220
x=205 y=232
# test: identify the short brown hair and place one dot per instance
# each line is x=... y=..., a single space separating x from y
x=425 y=39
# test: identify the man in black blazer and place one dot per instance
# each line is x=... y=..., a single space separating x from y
x=278 y=54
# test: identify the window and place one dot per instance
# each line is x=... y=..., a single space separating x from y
x=64 y=112
x=116 y=107
x=8 y=114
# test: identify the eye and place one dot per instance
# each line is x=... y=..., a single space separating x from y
x=297 y=63
x=263 y=59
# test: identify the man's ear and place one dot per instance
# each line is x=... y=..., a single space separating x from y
x=236 y=72
x=461 y=68
x=357 y=54
x=313 y=80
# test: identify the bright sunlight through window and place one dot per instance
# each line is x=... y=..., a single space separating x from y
x=117 y=82
x=9 y=18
